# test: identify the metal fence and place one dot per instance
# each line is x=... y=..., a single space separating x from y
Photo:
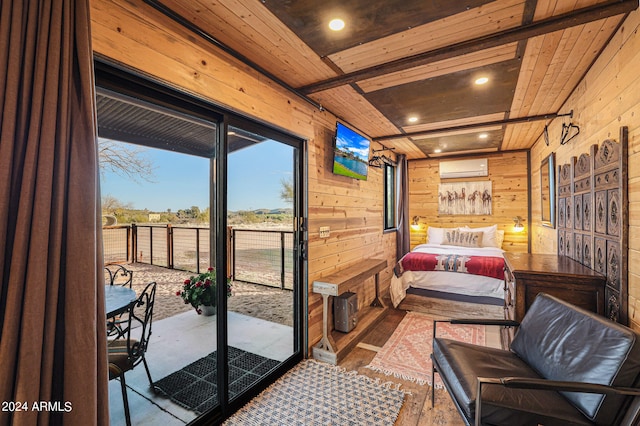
x=263 y=257
x=190 y=248
x=116 y=242
x=255 y=255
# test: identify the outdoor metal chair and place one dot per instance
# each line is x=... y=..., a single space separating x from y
x=115 y=274
x=126 y=352
x=118 y=275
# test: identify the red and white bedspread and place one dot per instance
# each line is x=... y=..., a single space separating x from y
x=450 y=269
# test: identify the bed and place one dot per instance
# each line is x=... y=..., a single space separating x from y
x=464 y=264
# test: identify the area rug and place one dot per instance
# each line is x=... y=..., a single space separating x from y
x=315 y=393
x=194 y=386
x=407 y=353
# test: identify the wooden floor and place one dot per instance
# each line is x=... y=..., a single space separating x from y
x=417 y=406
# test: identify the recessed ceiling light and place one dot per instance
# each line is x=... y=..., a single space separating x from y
x=482 y=80
x=336 y=24
x=413 y=119
x=483 y=135
x=437 y=151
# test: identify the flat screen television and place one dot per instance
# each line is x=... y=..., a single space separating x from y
x=350 y=153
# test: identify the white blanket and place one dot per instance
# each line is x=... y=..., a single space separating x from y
x=449 y=282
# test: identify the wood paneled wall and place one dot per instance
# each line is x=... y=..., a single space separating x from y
x=138 y=36
x=607 y=98
x=508 y=173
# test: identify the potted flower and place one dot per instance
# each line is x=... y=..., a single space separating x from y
x=200 y=292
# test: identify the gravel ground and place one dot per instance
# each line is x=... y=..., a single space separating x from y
x=258 y=301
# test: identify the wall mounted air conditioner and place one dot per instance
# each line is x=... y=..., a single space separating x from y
x=463 y=168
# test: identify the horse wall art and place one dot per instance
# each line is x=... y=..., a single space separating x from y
x=465 y=198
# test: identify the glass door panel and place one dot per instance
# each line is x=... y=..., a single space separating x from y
x=155 y=168
x=261 y=217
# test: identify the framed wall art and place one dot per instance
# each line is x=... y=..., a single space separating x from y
x=465 y=198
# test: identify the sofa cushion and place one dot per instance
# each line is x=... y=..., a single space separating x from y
x=563 y=342
x=459 y=365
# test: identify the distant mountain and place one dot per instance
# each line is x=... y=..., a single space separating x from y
x=264 y=211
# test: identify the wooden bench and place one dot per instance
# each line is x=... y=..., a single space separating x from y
x=334 y=345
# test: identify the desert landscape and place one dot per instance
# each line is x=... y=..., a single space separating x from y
x=255 y=300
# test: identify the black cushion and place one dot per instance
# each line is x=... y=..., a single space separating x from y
x=460 y=364
x=563 y=342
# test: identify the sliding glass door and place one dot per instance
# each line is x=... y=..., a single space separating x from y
x=215 y=218
x=262 y=218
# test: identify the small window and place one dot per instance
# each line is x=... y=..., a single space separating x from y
x=389 y=197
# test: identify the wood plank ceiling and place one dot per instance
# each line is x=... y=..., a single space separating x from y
x=397 y=59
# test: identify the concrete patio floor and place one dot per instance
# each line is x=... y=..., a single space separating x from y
x=176 y=342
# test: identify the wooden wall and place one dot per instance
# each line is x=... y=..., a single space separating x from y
x=508 y=173
x=136 y=35
x=607 y=98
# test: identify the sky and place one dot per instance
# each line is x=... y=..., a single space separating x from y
x=347 y=139
x=181 y=181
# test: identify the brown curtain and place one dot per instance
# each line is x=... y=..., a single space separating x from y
x=403 y=235
x=52 y=327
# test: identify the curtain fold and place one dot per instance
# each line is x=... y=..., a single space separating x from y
x=403 y=235
x=52 y=321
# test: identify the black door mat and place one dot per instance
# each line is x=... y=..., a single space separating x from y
x=194 y=387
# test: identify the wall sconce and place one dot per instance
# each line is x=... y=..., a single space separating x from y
x=517 y=224
x=415 y=223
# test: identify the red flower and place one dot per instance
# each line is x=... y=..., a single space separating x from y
x=200 y=289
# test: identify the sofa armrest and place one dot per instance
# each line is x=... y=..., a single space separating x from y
x=488 y=321
x=544 y=384
x=477 y=321
x=556 y=385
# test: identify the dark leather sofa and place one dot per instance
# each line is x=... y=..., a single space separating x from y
x=566 y=366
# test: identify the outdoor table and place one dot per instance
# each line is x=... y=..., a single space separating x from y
x=118 y=299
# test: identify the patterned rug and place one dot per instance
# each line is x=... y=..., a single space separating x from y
x=194 y=386
x=315 y=393
x=407 y=353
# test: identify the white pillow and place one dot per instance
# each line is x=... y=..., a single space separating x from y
x=463 y=238
x=490 y=237
x=500 y=237
x=436 y=235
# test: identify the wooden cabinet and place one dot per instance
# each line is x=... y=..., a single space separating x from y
x=528 y=274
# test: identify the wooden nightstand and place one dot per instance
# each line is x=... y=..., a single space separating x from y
x=528 y=274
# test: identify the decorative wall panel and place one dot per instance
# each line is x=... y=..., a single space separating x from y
x=561 y=213
x=586 y=212
x=587 y=252
x=593 y=216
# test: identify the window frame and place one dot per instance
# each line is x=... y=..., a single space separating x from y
x=390 y=222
